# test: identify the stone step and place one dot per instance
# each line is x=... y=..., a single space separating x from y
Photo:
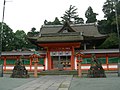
x=57 y=72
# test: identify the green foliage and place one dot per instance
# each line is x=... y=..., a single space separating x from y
x=71 y=16
x=111 y=41
x=90 y=15
x=55 y=22
x=105 y=26
x=108 y=9
x=109 y=25
x=79 y=21
x=33 y=32
x=7 y=38
x=20 y=40
x=118 y=8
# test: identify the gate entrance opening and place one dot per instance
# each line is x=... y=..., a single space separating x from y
x=63 y=61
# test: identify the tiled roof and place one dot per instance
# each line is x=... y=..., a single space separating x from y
x=77 y=32
x=60 y=38
x=90 y=51
x=86 y=29
x=101 y=51
x=17 y=53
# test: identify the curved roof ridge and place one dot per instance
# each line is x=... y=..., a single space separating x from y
x=84 y=24
x=48 y=26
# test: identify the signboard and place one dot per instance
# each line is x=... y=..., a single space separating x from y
x=61 y=53
x=1 y=70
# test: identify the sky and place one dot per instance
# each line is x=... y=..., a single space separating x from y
x=25 y=14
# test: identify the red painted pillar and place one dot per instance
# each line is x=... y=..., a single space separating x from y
x=4 y=63
x=107 y=62
x=44 y=64
x=30 y=64
x=49 y=59
x=72 y=59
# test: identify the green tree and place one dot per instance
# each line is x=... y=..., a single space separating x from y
x=90 y=15
x=55 y=22
x=33 y=32
x=20 y=39
x=7 y=38
x=104 y=26
x=79 y=20
x=108 y=9
x=111 y=41
x=71 y=15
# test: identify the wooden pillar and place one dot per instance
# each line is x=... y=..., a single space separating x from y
x=72 y=59
x=30 y=64
x=49 y=59
x=107 y=62
x=4 y=63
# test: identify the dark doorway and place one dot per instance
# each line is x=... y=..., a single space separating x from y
x=63 y=60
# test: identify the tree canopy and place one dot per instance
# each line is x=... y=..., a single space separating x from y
x=90 y=15
x=33 y=32
x=108 y=26
x=55 y=22
x=8 y=38
x=14 y=41
x=71 y=16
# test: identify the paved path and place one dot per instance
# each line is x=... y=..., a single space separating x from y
x=56 y=82
x=61 y=82
x=110 y=83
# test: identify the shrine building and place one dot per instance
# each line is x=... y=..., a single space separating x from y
x=62 y=42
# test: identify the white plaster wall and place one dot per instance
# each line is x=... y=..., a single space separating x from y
x=46 y=63
x=75 y=63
